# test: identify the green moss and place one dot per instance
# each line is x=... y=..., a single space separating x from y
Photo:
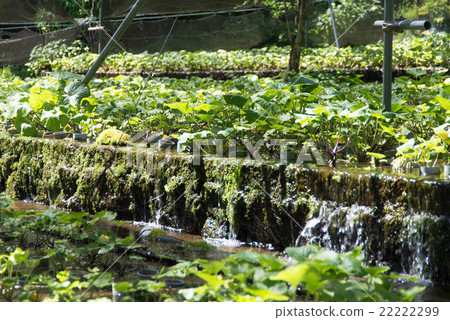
x=253 y=201
x=112 y=137
x=202 y=245
x=155 y=233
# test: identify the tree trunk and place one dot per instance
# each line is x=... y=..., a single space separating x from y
x=297 y=44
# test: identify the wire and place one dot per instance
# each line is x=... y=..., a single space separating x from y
x=38 y=26
x=165 y=16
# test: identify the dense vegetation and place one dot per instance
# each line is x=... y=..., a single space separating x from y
x=41 y=252
x=329 y=109
x=341 y=114
x=408 y=53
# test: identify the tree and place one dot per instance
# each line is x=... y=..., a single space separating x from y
x=81 y=8
x=282 y=7
x=299 y=39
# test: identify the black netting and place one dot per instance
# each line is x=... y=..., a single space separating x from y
x=209 y=33
x=119 y=8
x=19 y=20
x=17 y=49
x=32 y=11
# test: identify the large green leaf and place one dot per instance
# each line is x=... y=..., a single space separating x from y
x=417 y=72
x=213 y=280
x=180 y=107
x=51 y=120
x=28 y=130
x=75 y=92
x=301 y=273
x=269 y=106
x=204 y=107
x=235 y=100
x=72 y=217
x=39 y=96
x=302 y=253
x=305 y=80
x=444 y=103
x=251 y=116
x=64 y=75
x=409 y=294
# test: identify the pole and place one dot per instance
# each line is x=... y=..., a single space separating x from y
x=112 y=42
x=333 y=22
x=306 y=30
x=387 y=55
x=100 y=22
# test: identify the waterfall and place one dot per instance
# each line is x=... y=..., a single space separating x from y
x=409 y=242
x=333 y=226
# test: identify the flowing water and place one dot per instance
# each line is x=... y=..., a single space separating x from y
x=331 y=226
x=341 y=229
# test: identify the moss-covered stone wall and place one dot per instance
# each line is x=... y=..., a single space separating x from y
x=251 y=201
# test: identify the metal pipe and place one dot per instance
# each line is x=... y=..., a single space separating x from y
x=409 y=25
x=333 y=22
x=387 y=55
x=100 y=22
x=112 y=42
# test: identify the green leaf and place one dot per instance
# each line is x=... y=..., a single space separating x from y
x=106 y=248
x=266 y=295
x=38 y=97
x=409 y=294
x=444 y=103
x=28 y=130
x=76 y=91
x=106 y=215
x=388 y=129
x=204 y=107
x=10 y=111
x=305 y=80
x=51 y=119
x=122 y=286
x=269 y=106
x=304 y=253
x=149 y=286
x=213 y=280
x=23 y=110
x=249 y=255
x=213 y=267
x=301 y=273
x=251 y=116
x=225 y=132
x=376 y=155
x=408 y=145
x=235 y=100
x=181 y=107
x=417 y=72
x=69 y=76
x=72 y=217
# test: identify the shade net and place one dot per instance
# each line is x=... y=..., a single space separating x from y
x=208 y=33
x=18 y=22
x=32 y=11
x=17 y=49
x=120 y=8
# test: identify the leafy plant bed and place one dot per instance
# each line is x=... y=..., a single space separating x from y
x=87 y=265
x=411 y=52
x=341 y=115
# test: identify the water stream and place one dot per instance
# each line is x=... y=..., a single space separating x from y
x=341 y=229
x=330 y=225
